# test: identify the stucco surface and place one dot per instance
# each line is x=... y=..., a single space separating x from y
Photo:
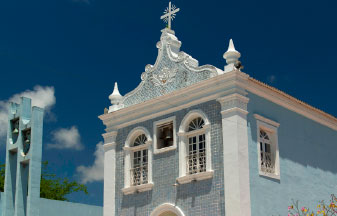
x=57 y=208
x=308 y=164
x=196 y=198
x=0 y=203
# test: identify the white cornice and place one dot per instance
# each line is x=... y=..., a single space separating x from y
x=211 y=89
x=109 y=134
x=204 y=91
x=276 y=96
x=109 y=146
x=233 y=97
x=233 y=110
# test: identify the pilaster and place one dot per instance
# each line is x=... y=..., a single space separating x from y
x=235 y=150
x=109 y=173
x=23 y=159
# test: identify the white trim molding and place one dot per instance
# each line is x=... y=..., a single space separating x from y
x=268 y=121
x=155 y=135
x=203 y=91
x=109 y=173
x=128 y=150
x=183 y=147
x=271 y=127
x=109 y=140
x=207 y=90
x=137 y=188
x=235 y=154
x=278 y=97
x=167 y=207
x=195 y=177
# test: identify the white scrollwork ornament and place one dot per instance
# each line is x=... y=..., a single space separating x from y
x=164 y=76
x=143 y=76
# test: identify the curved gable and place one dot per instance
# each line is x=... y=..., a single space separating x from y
x=172 y=70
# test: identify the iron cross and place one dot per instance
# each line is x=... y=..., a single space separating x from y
x=169 y=14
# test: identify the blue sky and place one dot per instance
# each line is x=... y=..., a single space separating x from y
x=69 y=53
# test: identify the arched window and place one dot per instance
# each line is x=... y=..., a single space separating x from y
x=194 y=148
x=267 y=161
x=267 y=147
x=138 y=161
x=196 y=155
x=139 y=167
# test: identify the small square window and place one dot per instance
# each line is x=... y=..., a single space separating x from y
x=164 y=135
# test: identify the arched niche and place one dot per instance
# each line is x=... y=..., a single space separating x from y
x=167 y=209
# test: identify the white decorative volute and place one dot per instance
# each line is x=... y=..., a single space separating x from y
x=168 y=38
x=232 y=56
x=116 y=99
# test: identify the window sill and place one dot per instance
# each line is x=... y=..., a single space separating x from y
x=166 y=149
x=269 y=175
x=137 y=188
x=195 y=177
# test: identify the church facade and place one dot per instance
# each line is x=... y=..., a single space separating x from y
x=198 y=140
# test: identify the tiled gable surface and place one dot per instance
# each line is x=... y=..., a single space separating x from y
x=172 y=70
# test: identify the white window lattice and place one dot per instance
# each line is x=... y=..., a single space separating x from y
x=196 y=158
x=196 y=124
x=139 y=169
x=266 y=155
x=140 y=140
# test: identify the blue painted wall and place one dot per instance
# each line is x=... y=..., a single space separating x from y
x=0 y=203
x=308 y=164
x=57 y=208
x=196 y=198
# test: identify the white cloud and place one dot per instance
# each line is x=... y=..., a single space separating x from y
x=94 y=172
x=66 y=138
x=41 y=96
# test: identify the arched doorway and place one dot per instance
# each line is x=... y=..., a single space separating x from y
x=168 y=213
x=167 y=209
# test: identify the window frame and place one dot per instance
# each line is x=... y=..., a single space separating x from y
x=161 y=122
x=128 y=161
x=271 y=128
x=184 y=135
x=197 y=151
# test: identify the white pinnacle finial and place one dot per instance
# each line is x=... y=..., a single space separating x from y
x=231 y=46
x=231 y=56
x=116 y=99
x=115 y=93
